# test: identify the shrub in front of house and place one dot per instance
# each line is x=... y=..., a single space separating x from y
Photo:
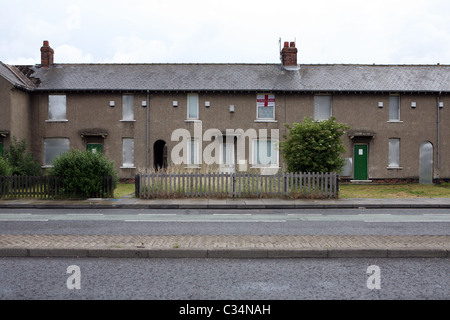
x=21 y=162
x=83 y=173
x=5 y=167
x=314 y=146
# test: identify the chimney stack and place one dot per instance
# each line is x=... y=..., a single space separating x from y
x=289 y=56
x=47 y=55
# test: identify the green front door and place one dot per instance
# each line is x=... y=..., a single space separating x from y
x=360 y=157
x=94 y=147
x=1 y=149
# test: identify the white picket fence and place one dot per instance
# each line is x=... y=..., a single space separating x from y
x=236 y=185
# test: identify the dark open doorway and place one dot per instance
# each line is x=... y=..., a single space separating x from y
x=160 y=155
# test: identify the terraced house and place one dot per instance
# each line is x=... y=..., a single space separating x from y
x=398 y=114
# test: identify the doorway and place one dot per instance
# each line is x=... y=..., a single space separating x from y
x=160 y=155
x=94 y=148
x=360 y=158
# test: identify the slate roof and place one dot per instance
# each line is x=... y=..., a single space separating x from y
x=240 y=77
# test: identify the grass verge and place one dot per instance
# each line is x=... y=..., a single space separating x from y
x=413 y=190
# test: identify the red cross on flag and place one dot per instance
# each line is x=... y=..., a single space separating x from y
x=265 y=100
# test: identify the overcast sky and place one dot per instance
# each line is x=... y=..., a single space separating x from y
x=226 y=31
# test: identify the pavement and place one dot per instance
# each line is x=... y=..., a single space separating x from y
x=222 y=246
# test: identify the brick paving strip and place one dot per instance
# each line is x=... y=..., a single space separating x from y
x=223 y=246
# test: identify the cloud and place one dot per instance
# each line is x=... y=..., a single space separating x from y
x=134 y=49
x=70 y=54
x=235 y=31
x=74 y=18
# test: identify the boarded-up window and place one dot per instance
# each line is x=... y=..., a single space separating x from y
x=57 y=107
x=53 y=148
x=128 y=107
x=394 y=153
x=394 y=108
x=322 y=107
x=128 y=152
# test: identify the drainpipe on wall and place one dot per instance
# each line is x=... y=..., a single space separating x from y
x=438 y=129
x=148 y=129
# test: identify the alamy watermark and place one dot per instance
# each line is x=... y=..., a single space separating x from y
x=74 y=280
x=263 y=148
x=374 y=280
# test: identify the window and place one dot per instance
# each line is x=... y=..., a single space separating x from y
x=322 y=107
x=53 y=147
x=192 y=156
x=394 y=153
x=265 y=152
x=227 y=154
x=192 y=106
x=128 y=107
x=265 y=104
x=128 y=153
x=394 y=108
x=57 y=107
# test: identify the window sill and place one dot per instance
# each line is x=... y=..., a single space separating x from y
x=46 y=167
x=261 y=166
x=127 y=167
x=192 y=120
x=62 y=120
x=127 y=120
x=395 y=121
x=394 y=168
x=264 y=120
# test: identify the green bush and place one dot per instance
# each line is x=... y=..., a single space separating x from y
x=83 y=172
x=22 y=163
x=5 y=167
x=314 y=146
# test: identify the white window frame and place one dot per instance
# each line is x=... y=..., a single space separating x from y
x=188 y=105
x=316 y=116
x=273 y=147
x=56 y=101
x=394 y=153
x=397 y=97
x=48 y=163
x=260 y=119
x=128 y=154
x=127 y=109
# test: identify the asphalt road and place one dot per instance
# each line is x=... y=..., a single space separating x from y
x=227 y=222
x=210 y=279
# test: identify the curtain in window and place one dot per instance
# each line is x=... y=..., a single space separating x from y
x=264 y=152
x=193 y=106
